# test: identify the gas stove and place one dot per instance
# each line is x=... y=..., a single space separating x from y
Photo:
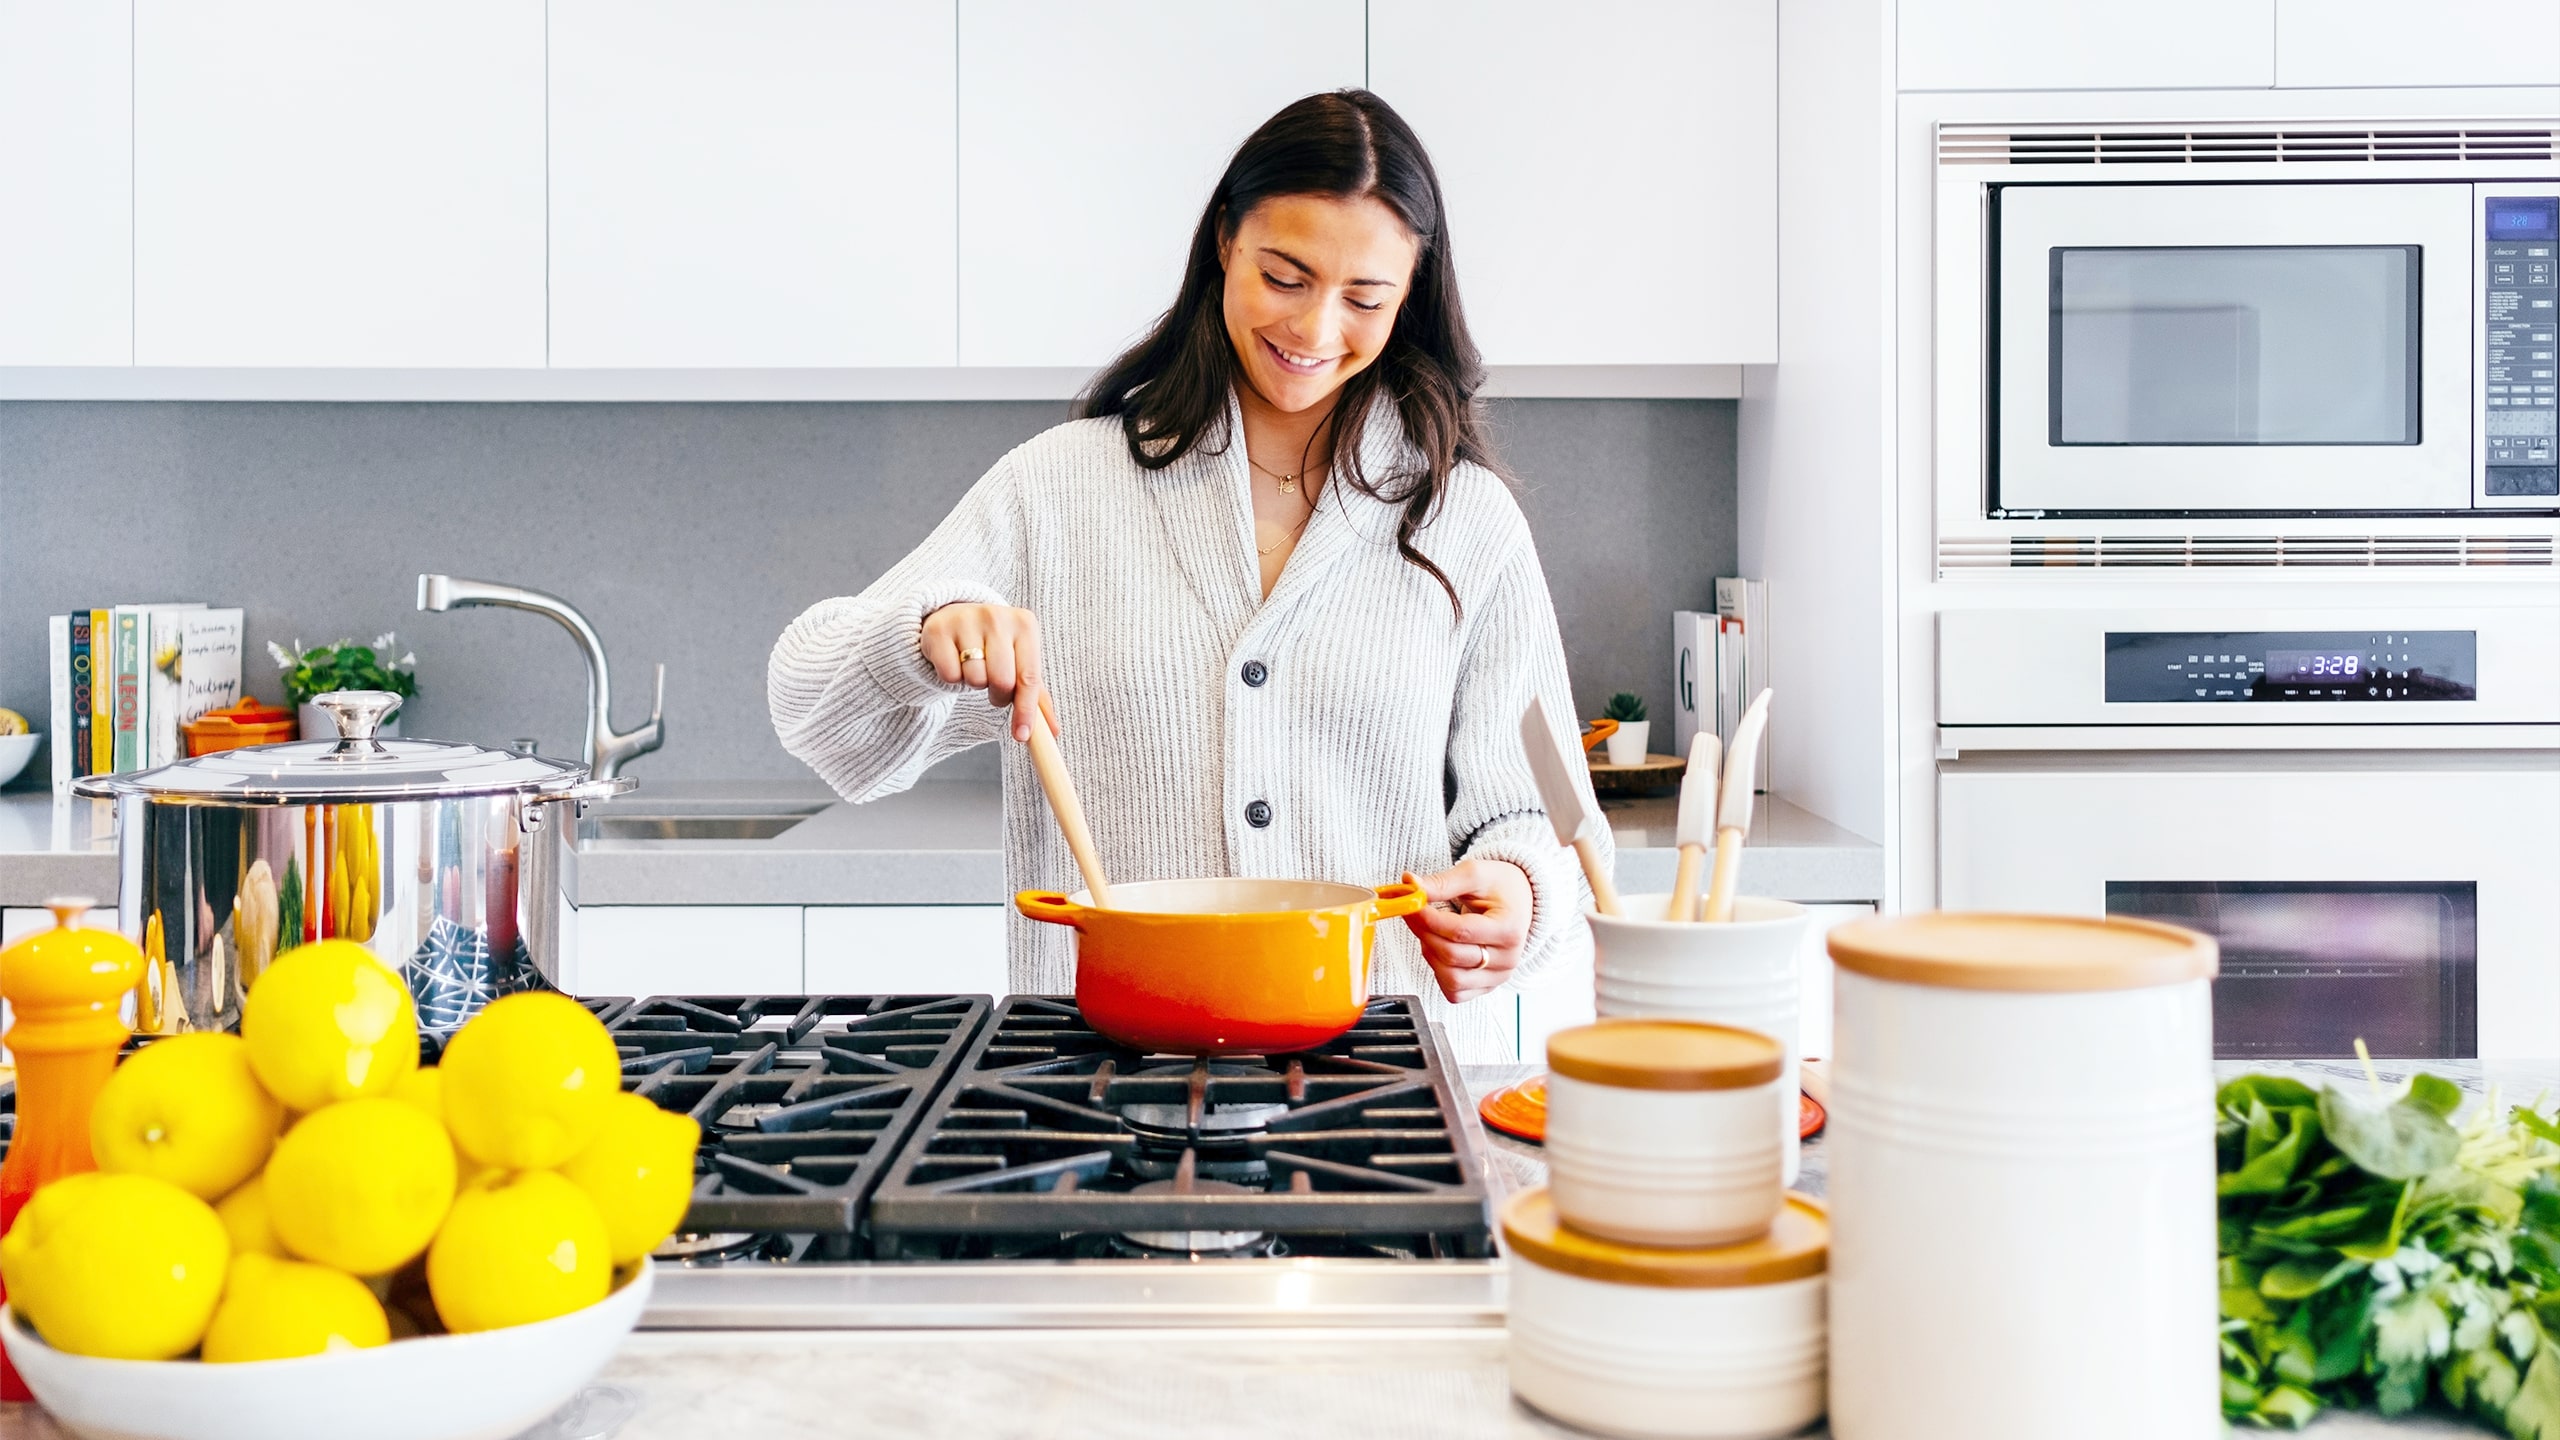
x=950 y=1161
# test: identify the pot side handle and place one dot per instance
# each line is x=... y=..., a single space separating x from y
x=1402 y=898
x=1049 y=907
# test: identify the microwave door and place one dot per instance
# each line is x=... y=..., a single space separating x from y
x=2267 y=348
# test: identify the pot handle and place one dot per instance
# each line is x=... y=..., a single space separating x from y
x=1600 y=730
x=1402 y=898
x=1049 y=907
x=587 y=790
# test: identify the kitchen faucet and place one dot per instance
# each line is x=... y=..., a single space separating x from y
x=606 y=751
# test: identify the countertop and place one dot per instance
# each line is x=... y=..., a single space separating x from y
x=1174 y=1383
x=941 y=843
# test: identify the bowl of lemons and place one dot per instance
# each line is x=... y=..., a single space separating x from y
x=296 y=1231
x=17 y=744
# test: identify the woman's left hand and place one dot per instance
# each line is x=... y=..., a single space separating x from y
x=1472 y=929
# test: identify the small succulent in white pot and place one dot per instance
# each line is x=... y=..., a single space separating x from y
x=343 y=666
x=1627 y=743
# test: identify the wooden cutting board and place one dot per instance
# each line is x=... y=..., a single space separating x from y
x=1657 y=773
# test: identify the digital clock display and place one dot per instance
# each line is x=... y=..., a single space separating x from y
x=2297 y=665
x=2524 y=219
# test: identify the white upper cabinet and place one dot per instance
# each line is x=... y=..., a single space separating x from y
x=66 y=152
x=752 y=184
x=2088 y=44
x=338 y=183
x=1610 y=169
x=1090 y=137
x=2393 y=42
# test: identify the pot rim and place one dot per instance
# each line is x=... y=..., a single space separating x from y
x=1351 y=895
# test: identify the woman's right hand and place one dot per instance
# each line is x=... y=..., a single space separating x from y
x=995 y=648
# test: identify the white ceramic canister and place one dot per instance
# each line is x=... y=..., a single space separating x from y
x=1743 y=973
x=1658 y=1131
x=1709 y=1344
x=2021 y=1184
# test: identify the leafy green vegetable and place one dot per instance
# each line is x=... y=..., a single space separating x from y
x=2376 y=1255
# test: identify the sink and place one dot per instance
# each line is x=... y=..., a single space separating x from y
x=728 y=823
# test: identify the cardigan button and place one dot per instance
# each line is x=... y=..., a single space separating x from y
x=1258 y=814
x=1255 y=672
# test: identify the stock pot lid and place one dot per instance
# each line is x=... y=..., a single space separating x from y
x=356 y=768
x=2044 y=954
x=1655 y=1054
x=1797 y=1244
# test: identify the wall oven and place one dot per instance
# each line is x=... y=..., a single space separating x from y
x=2272 y=348
x=2362 y=803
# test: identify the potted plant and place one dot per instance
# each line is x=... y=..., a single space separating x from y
x=1627 y=743
x=343 y=666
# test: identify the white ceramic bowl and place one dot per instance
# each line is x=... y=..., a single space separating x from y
x=1745 y=973
x=15 y=752
x=486 y=1386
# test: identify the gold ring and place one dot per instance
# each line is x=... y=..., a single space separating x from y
x=973 y=653
x=1484 y=957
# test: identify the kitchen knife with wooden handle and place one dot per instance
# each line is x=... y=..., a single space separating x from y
x=1733 y=809
x=1697 y=825
x=1551 y=764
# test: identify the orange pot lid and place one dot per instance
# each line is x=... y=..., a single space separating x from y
x=1656 y=1054
x=1796 y=1245
x=2031 y=953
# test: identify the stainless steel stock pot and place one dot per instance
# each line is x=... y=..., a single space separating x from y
x=443 y=859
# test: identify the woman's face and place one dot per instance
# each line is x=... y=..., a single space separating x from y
x=1313 y=286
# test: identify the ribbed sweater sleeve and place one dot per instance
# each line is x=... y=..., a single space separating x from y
x=850 y=692
x=1495 y=813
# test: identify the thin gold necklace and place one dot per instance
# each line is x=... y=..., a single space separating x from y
x=1292 y=535
x=1288 y=483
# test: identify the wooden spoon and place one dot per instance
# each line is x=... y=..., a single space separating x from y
x=1551 y=765
x=1051 y=767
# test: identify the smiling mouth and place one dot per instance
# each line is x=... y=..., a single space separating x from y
x=1295 y=364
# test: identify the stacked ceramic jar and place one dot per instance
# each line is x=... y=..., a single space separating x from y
x=1664 y=1283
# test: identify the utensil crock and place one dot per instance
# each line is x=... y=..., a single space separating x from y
x=1223 y=966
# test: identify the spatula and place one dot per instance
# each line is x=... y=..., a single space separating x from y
x=1051 y=767
x=1733 y=810
x=1551 y=764
x=1697 y=828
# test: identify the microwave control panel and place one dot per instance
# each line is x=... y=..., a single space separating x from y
x=2237 y=666
x=2520 y=345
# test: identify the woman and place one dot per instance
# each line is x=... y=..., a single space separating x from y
x=1270 y=585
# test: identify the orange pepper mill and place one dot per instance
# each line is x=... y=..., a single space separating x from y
x=66 y=986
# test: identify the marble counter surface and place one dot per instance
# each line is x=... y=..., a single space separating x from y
x=941 y=843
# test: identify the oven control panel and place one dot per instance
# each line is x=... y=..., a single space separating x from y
x=2519 y=279
x=2205 y=667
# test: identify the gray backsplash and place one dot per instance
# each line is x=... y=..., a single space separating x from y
x=689 y=534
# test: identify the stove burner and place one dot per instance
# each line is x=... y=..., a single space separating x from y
x=1053 y=1139
x=1205 y=1243
x=719 y=1246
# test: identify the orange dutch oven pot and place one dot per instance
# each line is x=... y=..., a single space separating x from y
x=1210 y=967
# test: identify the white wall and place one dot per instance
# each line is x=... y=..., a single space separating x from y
x=1815 y=452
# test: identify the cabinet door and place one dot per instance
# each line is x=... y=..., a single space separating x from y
x=2086 y=44
x=752 y=185
x=319 y=183
x=641 y=950
x=66 y=181
x=2387 y=42
x=1610 y=169
x=1090 y=137
x=906 y=950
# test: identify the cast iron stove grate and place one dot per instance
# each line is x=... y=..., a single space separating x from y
x=1051 y=1140
x=802 y=1099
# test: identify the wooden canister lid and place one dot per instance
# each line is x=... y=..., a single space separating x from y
x=2032 y=953
x=1797 y=1244
x=1648 y=1054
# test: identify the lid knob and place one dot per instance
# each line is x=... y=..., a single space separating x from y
x=358 y=714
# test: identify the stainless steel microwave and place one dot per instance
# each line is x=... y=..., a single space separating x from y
x=2274 y=349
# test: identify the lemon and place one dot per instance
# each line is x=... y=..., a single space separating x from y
x=277 y=1309
x=244 y=1215
x=328 y=1022
x=518 y=1248
x=639 y=1171
x=361 y=1185
x=188 y=1110
x=526 y=1082
x=123 y=1266
x=424 y=1088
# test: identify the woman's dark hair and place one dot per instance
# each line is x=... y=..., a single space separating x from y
x=1170 y=390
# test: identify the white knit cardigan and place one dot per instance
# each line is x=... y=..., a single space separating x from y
x=1384 y=736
